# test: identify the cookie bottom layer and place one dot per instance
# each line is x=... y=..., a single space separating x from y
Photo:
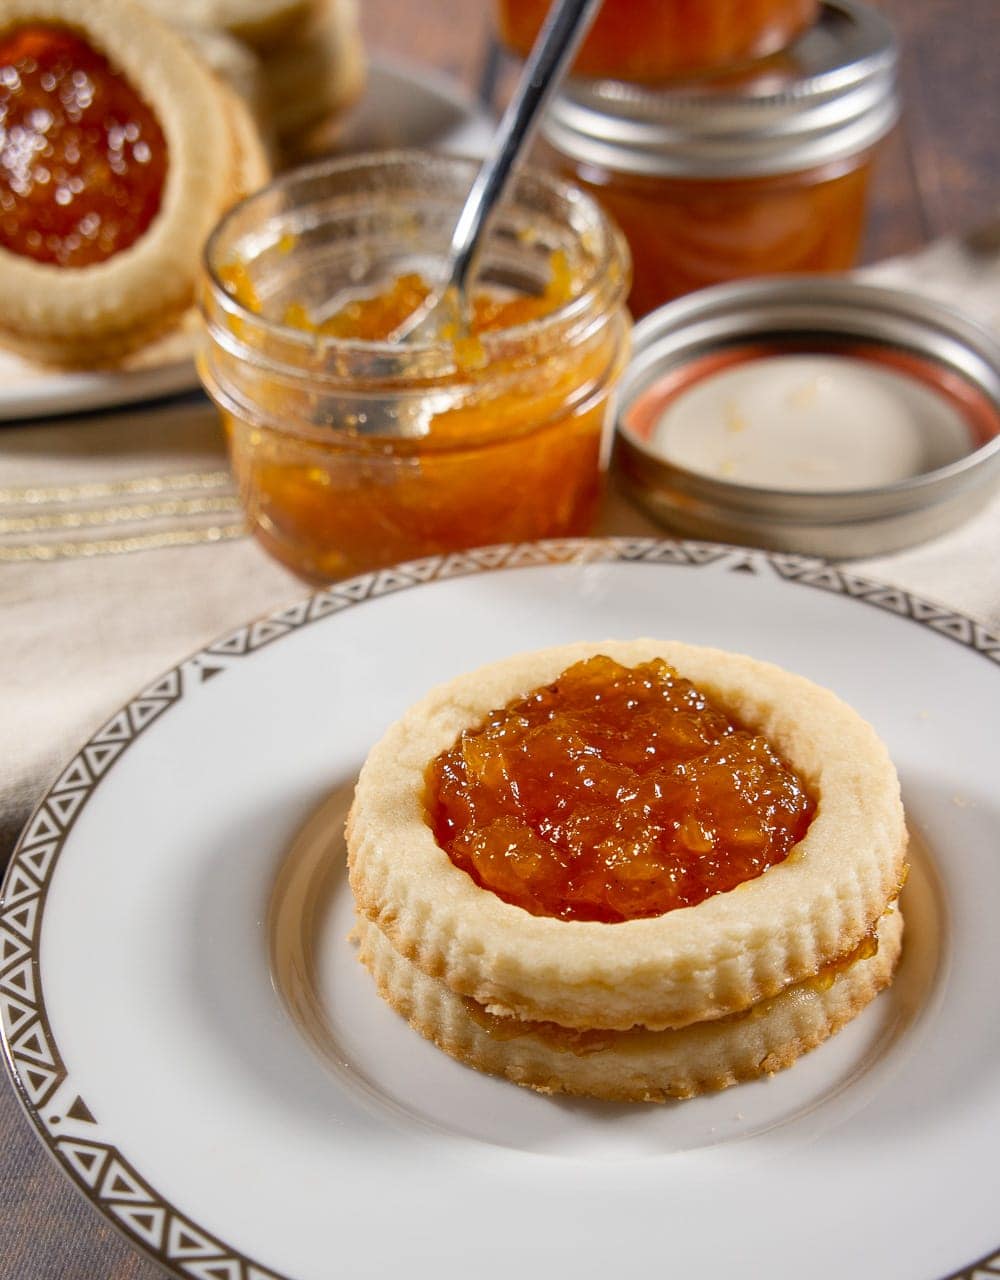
x=637 y=1065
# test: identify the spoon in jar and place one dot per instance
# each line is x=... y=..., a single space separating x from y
x=565 y=26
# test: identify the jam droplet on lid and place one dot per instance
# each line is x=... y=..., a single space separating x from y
x=613 y=794
x=82 y=157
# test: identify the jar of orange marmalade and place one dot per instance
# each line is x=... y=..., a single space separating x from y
x=740 y=175
x=663 y=39
x=353 y=451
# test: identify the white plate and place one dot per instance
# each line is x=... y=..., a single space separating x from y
x=164 y=368
x=200 y=1050
x=402 y=107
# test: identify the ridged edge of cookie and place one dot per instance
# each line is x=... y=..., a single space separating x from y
x=719 y=957
x=637 y=1065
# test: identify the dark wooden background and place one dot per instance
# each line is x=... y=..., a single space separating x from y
x=939 y=174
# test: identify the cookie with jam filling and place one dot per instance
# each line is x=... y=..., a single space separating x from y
x=122 y=152
x=709 y=945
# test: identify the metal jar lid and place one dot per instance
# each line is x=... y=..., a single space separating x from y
x=944 y=351
x=829 y=96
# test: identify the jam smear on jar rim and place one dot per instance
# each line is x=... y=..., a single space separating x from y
x=83 y=161
x=615 y=793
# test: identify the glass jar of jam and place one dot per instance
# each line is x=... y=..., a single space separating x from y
x=663 y=39
x=740 y=175
x=353 y=451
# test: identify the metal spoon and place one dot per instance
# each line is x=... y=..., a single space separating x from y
x=565 y=26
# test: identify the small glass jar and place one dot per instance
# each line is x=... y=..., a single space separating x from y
x=351 y=455
x=742 y=175
x=650 y=40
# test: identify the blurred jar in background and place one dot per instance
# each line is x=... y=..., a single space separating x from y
x=746 y=174
x=653 y=40
x=352 y=453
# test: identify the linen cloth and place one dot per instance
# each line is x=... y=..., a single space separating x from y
x=122 y=548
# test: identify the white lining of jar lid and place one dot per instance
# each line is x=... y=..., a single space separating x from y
x=804 y=422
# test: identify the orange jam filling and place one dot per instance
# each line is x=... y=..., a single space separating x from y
x=613 y=794
x=82 y=158
x=691 y=233
x=375 y=317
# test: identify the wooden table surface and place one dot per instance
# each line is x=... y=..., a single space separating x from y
x=939 y=174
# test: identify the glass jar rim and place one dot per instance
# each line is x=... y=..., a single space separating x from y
x=612 y=249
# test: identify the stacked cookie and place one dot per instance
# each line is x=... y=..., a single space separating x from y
x=298 y=63
x=698 y=998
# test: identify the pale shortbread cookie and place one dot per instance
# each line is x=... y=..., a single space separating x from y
x=637 y=1065
x=302 y=62
x=689 y=965
x=78 y=316
x=310 y=67
x=258 y=22
x=232 y=61
x=316 y=72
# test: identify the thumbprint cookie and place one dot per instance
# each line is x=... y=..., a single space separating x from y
x=121 y=152
x=629 y=870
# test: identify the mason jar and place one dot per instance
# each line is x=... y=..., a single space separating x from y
x=741 y=175
x=353 y=454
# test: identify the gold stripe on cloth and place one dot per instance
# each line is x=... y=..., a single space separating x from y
x=121 y=546
x=172 y=482
x=222 y=504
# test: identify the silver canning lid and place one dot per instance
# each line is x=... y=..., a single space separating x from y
x=803 y=314
x=829 y=96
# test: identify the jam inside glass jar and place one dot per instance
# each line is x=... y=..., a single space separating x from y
x=689 y=233
x=83 y=160
x=352 y=452
x=661 y=39
x=613 y=794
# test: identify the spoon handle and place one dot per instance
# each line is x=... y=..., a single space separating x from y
x=566 y=25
